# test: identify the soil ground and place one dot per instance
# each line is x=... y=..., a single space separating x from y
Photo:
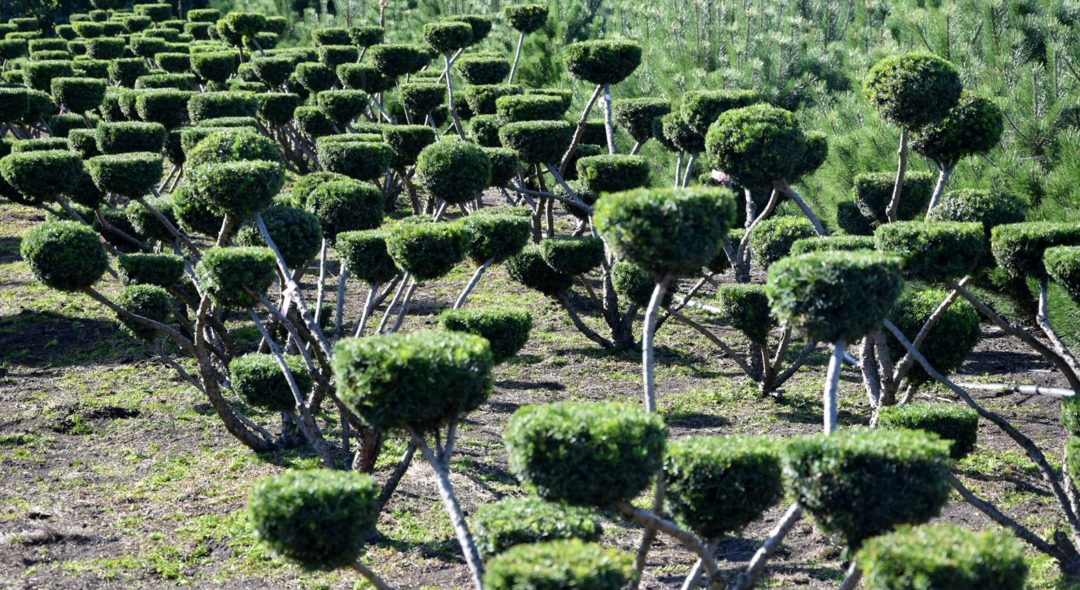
x=114 y=473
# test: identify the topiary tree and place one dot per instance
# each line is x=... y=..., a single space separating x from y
x=423 y=251
x=912 y=91
x=78 y=95
x=942 y=556
x=773 y=238
x=41 y=176
x=601 y=62
x=873 y=190
x=559 y=564
x=148 y=301
x=523 y=18
x=360 y=160
x=666 y=232
x=64 y=255
x=492 y=239
x=419 y=382
x=236 y=276
x=507 y=330
x=953 y=423
x=639 y=117
x=833 y=297
x=509 y=522
x=453 y=172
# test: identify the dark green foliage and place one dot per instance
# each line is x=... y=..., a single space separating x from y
x=956 y=424
x=98 y=68
x=246 y=24
x=366 y=256
x=213 y=105
x=156 y=12
x=525 y=18
x=233 y=146
x=933 y=252
x=78 y=95
x=482 y=69
x=344 y=205
x=361 y=160
x=863 y=483
x=39 y=145
x=716 y=485
x=175 y=81
x=39 y=74
x=989 y=208
x=636 y=284
x=130 y=175
x=147 y=47
x=215 y=66
x=163 y=270
x=276 y=108
x=12 y=48
x=573 y=255
x=191 y=136
x=304 y=185
x=64 y=255
x=238 y=188
x=528 y=107
x=454 y=171
x=759 y=145
x=745 y=307
x=1070 y=419
x=557 y=565
x=176 y=63
x=318 y=518
x=406 y=142
x=1063 y=265
x=504 y=164
x=105 y=47
x=873 y=191
x=165 y=106
x=951 y=339
x=638 y=116
x=364 y=77
x=203 y=15
x=495 y=237
x=336 y=55
x=517 y=521
x=314 y=122
x=331 y=36
x=14 y=104
x=274 y=70
x=912 y=89
x=228 y=274
x=507 y=330
x=528 y=268
x=1018 y=247
x=395 y=60
x=448 y=36
x=421 y=98
x=427 y=250
x=422 y=379
x=585 y=453
x=602 y=61
x=258 y=379
x=149 y=301
x=295 y=232
x=772 y=238
x=842 y=243
x=702 y=108
x=366 y=35
x=612 y=173
x=40 y=176
x=88 y=29
x=538 y=142
x=482 y=98
x=834 y=295
x=973 y=126
x=666 y=230
x=194 y=214
x=83 y=142
x=943 y=556
x=130 y=136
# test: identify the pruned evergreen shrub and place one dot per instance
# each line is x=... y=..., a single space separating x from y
x=235 y=276
x=528 y=268
x=149 y=301
x=64 y=255
x=454 y=171
x=142 y=268
x=344 y=205
x=507 y=330
x=602 y=61
x=956 y=424
x=427 y=250
x=573 y=255
x=772 y=238
x=933 y=252
x=1018 y=248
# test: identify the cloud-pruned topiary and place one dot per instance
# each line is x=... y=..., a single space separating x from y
x=395 y=60
x=745 y=307
x=573 y=255
x=537 y=142
x=760 y=145
x=239 y=188
x=716 y=485
x=934 y=252
x=559 y=564
x=258 y=379
x=130 y=136
x=602 y=61
x=529 y=107
x=235 y=276
x=1018 y=248
x=834 y=295
x=636 y=284
x=418 y=380
x=343 y=205
x=296 y=233
x=64 y=255
x=990 y=208
x=773 y=237
x=40 y=176
x=950 y=340
x=78 y=95
x=525 y=18
x=943 y=556
x=638 y=116
x=319 y=518
x=454 y=171
x=592 y=454
x=130 y=175
x=448 y=36
x=913 y=89
x=843 y=243
x=233 y=146
x=612 y=173
x=528 y=268
x=495 y=237
x=427 y=250
x=973 y=126
x=957 y=424
x=366 y=256
x=666 y=230
x=873 y=190
x=149 y=301
x=516 y=521
x=361 y=160
x=864 y=483
x=482 y=69
x=506 y=329
x=406 y=142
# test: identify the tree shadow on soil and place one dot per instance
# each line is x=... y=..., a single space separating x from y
x=49 y=339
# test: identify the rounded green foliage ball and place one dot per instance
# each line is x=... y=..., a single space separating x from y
x=528 y=268
x=419 y=380
x=361 y=160
x=518 y=521
x=239 y=188
x=64 y=255
x=395 y=60
x=365 y=254
x=366 y=35
x=933 y=252
x=232 y=146
x=760 y=145
x=406 y=142
x=482 y=69
x=1018 y=248
x=1063 y=265
x=141 y=268
x=716 y=485
x=235 y=276
x=537 y=142
x=772 y=238
x=573 y=255
x=956 y=424
x=665 y=230
x=529 y=107
x=943 y=556
x=636 y=284
x=40 y=176
x=612 y=173
x=525 y=18
x=296 y=233
x=167 y=107
x=258 y=379
x=448 y=36
x=912 y=89
x=602 y=61
x=482 y=98
x=834 y=296
x=947 y=344
x=639 y=116
x=215 y=66
x=149 y=301
x=973 y=126
x=507 y=330
x=344 y=205
x=78 y=95
x=130 y=136
x=592 y=454
x=130 y=175
x=277 y=108
x=745 y=307
x=843 y=243
x=863 y=483
x=214 y=105
x=427 y=250
x=319 y=518
x=988 y=208
x=701 y=108
x=493 y=238
x=554 y=565
x=453 y=171
x=873 y=192
x=194 y=214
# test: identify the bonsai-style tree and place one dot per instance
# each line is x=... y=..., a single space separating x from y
x=507 y=330
x=911 y=90
x=639 y=116
x=523 y=18
x=604 y=63
x=453 y=173
x=423 y=251
x=446 y=37
x=493 y=237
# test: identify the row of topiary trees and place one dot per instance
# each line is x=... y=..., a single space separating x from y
x=95 y=108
